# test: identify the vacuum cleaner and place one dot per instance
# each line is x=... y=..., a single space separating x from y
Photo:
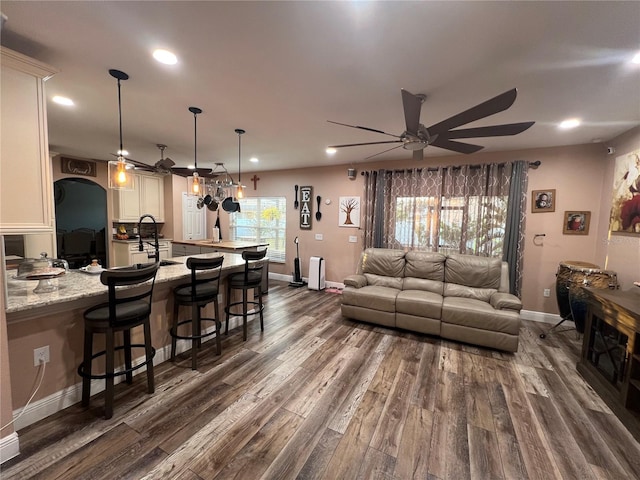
x=297 y=274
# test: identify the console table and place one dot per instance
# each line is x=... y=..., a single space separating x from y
x=610 y=360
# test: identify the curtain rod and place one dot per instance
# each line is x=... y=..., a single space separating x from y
x=533 y=165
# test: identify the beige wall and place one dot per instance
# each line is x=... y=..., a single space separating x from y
x=6 y=408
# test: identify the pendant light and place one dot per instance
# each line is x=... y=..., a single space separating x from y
x=119 y=177
x=239 y=188
x=195 y=183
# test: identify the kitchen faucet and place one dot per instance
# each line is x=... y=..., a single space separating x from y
x=156 y=245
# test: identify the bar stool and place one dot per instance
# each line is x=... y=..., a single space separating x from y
x=249 y=279
x=201 y=291
x=127 y=308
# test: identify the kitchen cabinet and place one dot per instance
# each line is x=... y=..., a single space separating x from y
x=183 y=250
x=26 y=167
x=127 y=253
x=146 y=197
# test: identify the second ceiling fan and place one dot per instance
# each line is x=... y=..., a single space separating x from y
x=417 y=137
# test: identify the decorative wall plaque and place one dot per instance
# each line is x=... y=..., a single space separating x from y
x=306 y=203
x=75 y=166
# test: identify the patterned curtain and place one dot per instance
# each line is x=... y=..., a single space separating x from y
x=463 y=209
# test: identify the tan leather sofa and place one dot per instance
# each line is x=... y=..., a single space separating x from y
x=459 y=297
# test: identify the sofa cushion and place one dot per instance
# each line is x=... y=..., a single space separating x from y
x=480 y=272
x=384 y=281
x=469 y=312
x=419 y=303
x=505 y=301
x=373 y=297
x=412 y=283
x=356 y=281
x=383 y=261
x=429 y=265
x=455 y=290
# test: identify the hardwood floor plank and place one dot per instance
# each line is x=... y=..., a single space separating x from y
x=256 y=456
x=478 y=411
x=448 y=451
x=371 y=361
x=424 y=391
x=620 y=441
x=412 y=461
x=351 y=451
x=564 y=448
x=318 y=461
x=484 y=456
x=376 y=466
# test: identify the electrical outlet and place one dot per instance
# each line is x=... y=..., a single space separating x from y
x=40 y=355
x=546 y=292
x=353 y=239
x=319 y=236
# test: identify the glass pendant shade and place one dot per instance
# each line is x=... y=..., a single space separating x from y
x=240 y=191
x=239 y=186
x=195 y=185
x=119 y=176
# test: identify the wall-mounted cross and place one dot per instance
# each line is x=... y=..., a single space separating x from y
x=255 y=182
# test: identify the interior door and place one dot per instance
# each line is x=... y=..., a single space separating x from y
x=194 y=219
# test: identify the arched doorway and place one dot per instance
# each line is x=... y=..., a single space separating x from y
x=81 y=221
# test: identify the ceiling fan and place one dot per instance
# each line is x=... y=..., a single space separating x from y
x=417 y=137
x=165 y=166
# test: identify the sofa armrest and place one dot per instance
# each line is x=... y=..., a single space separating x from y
x=505 y=301
x=357 y=281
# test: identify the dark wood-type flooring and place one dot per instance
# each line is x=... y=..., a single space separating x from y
x=320 y=396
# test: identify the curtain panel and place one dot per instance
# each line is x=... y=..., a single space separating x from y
x=471 y=209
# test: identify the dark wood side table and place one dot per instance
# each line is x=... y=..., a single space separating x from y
x=610 y=360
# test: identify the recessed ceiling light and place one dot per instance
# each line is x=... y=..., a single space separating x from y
x=254 y=160
x=636 y=59
x=331 y=151
x=62 y=100
x=124 y=153
x=570 y=123
x=165 y=56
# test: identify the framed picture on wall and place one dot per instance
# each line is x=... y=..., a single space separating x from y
x=349 y=212
x=576 y=223
x=543 y=200
x=625 y=204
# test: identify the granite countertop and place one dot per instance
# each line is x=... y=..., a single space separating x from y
x=76 y=284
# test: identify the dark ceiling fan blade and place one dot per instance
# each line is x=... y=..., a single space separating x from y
x=491 y=131
x=187 y=172
x=485 y=109
x=380 y=153
x=165 y=163
x=456 y=146
x=412 y=105
x=418 y=155
x=364 y=128
x=359 y=144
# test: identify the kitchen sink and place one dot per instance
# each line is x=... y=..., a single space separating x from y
x=138 y=266
x=165 y=263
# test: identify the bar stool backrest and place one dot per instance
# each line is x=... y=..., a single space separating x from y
x=213 y=267
x=253 y=265
x=145 y=277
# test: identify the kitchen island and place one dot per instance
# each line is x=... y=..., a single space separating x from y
x=55 y=319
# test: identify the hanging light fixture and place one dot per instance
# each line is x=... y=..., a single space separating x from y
x=119 y=177
x=239 y=187
x=195 y=183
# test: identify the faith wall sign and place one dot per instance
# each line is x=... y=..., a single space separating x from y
x=306 y=196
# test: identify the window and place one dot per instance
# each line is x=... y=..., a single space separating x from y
x=262 y=219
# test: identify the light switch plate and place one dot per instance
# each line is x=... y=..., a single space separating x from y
x=318 y=236
x=353 y=239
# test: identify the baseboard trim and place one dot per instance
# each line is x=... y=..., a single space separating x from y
x=540 y=316
x=289 y=278
x=9 y=447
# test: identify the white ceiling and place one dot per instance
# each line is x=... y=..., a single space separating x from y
x=280 y=70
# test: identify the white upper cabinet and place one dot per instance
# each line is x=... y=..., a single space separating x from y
x=146 y=197
x=25 y=167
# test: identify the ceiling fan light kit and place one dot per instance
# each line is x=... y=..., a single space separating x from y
x=195 y=183
x=417 y=137
x=119 y=177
